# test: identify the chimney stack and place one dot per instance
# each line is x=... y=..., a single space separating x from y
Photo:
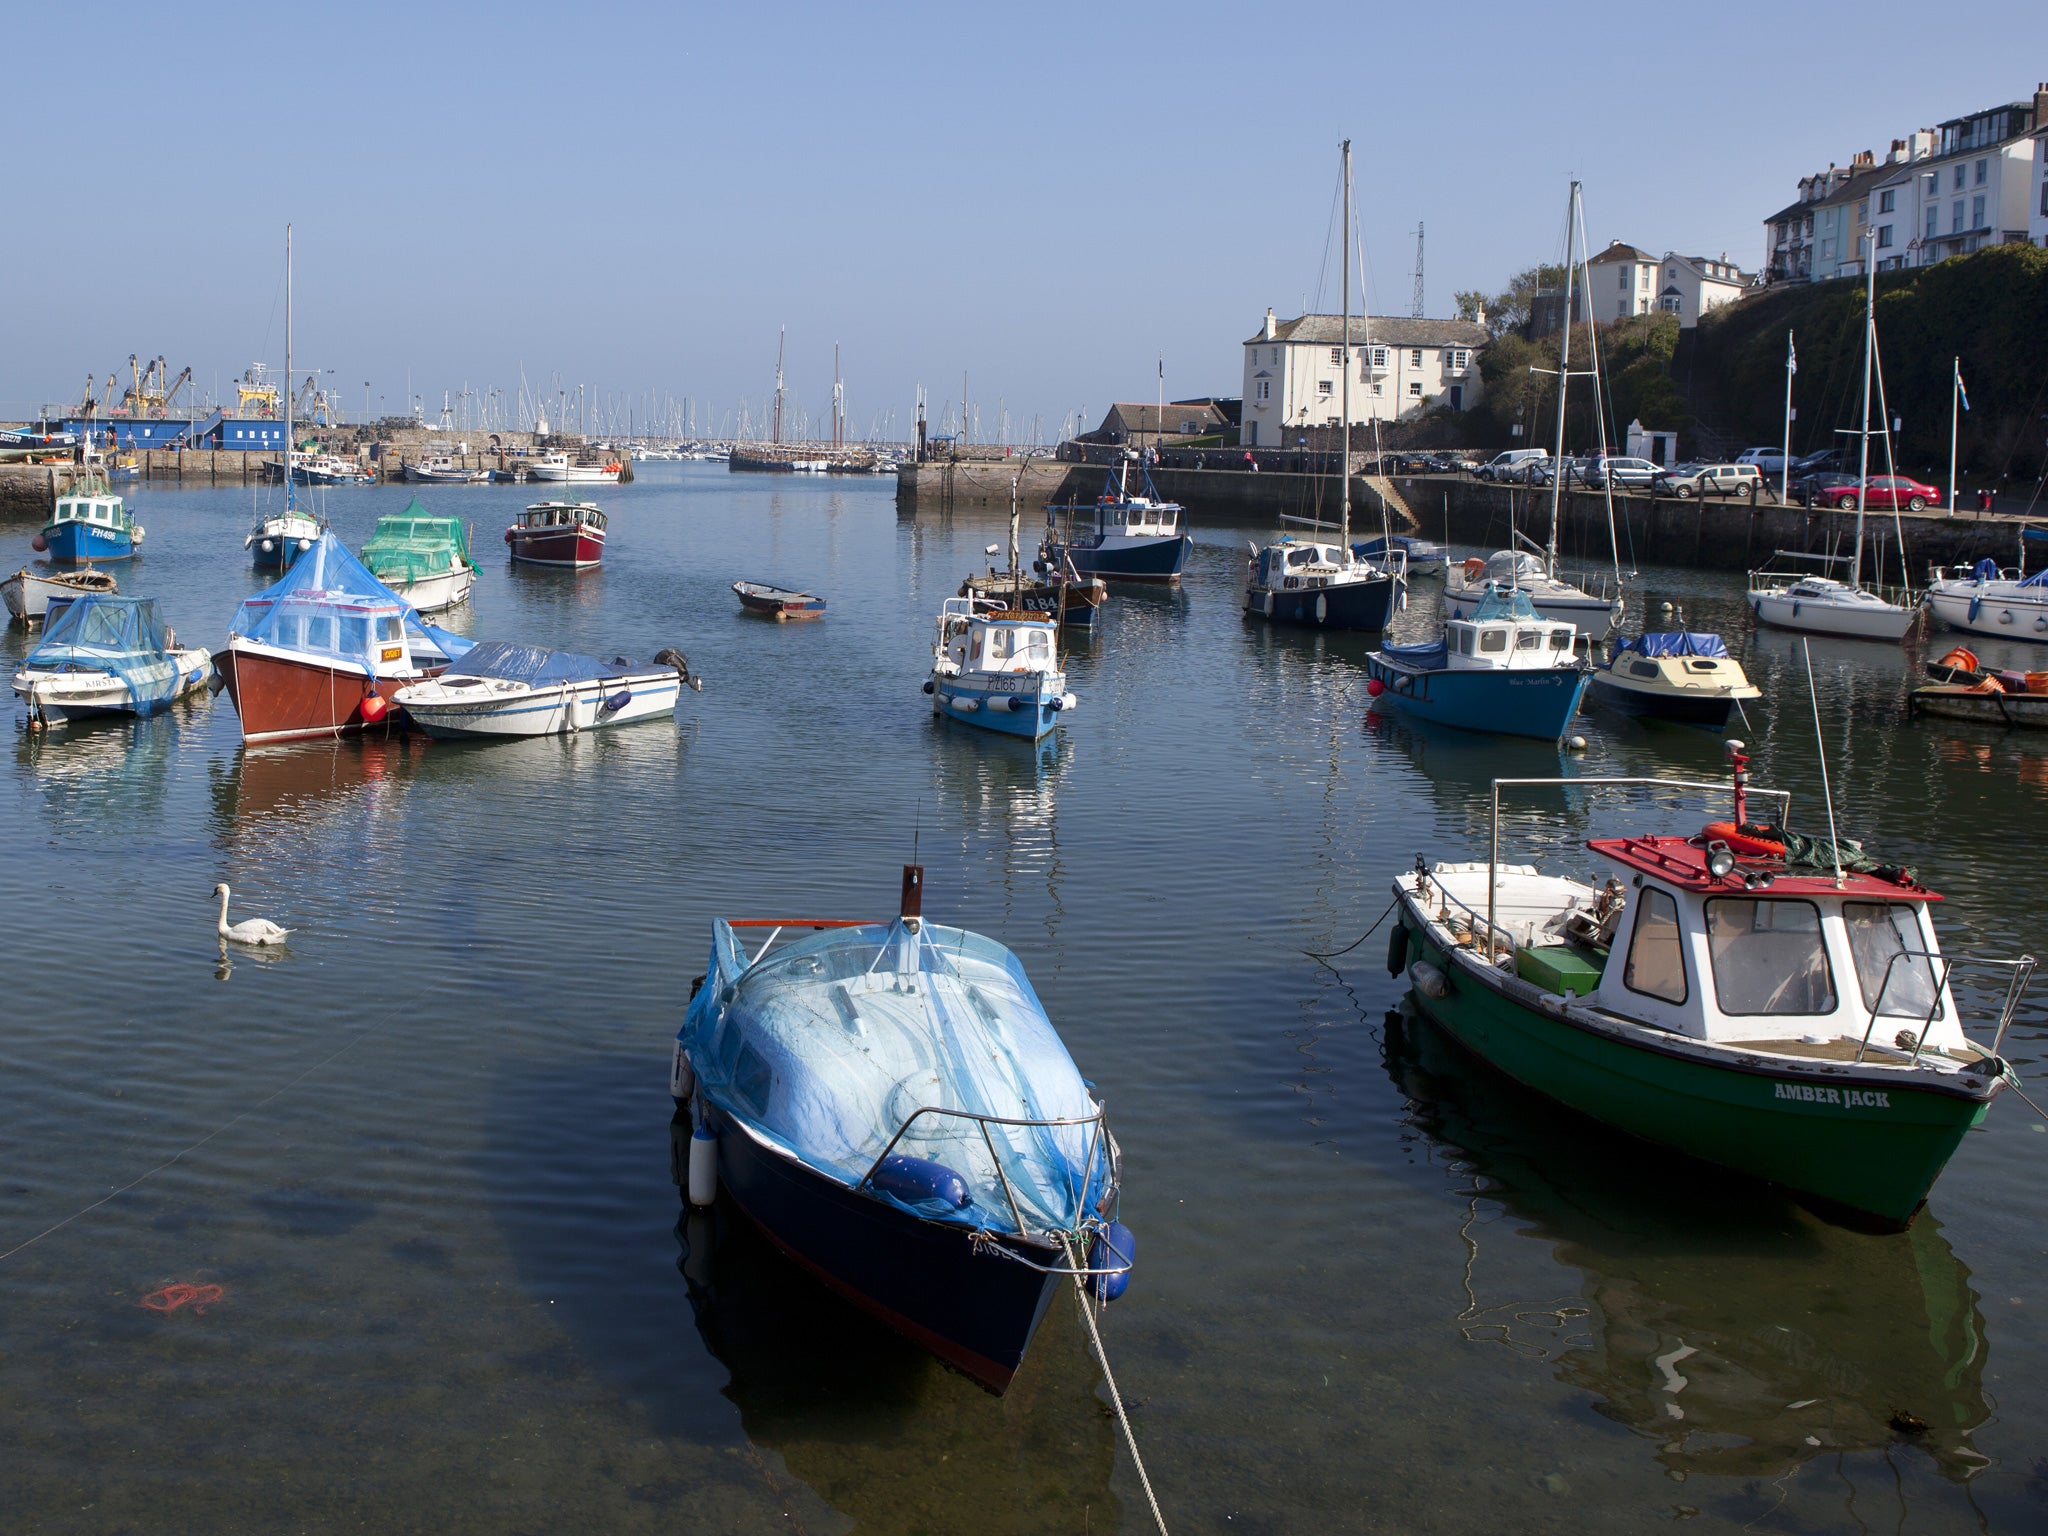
x=1269 y=332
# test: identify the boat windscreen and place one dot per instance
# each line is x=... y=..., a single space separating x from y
x=120 y=635
x=833 y=1044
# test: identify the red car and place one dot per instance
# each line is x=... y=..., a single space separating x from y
x=1886 y=491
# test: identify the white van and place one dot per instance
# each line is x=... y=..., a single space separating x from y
x=1511 y=465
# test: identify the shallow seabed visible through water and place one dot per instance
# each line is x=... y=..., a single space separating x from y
x=424 y=1152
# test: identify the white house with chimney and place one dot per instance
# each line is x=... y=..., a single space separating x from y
x=1293 y=372
x=1622 y=281
x=1690 y=286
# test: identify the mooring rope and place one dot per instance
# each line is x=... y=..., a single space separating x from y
x=1109 y=1377
x=1333 y=954
x=2013 y=1079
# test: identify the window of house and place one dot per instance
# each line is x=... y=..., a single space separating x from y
x=1656 y=959
x=1265 y=389
x=1415 y=389
x=1460 y=360
x=1977 y=211
x=1623 y=275
x=1931 y=183
x=2044 y=199
x=1379 y=357
x=1768 y=957
x=1322 y=386
x=1955 y=226
x=1933 y=220
x=1336 y=357
x=1959 y=177
x=1377 y=389
x=1983 y=171
x=1415 y=357
x=1884 y=237
x=1669 y=303
x=1887 y=201
x=1276 y=354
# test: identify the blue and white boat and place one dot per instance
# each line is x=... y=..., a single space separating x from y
x=1118 y=536
x=1424 y=557
x=499 y=688
x=90 y=523
x=107 y=655
x=998 y=668
x=1506 y=670
x=889 y=1103
x=1983 y=600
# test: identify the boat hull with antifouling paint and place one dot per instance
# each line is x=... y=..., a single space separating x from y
x=1861 y=1139
x=1538 y=703
x=928 y=1280
x=575 y=548
x=286 y=697
x=1123 y=556
x=1367 y=604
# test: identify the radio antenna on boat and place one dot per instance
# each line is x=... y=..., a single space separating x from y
x=916 y=827
x=1820 y=747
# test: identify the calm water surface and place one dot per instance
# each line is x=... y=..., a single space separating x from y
x=425 y=1153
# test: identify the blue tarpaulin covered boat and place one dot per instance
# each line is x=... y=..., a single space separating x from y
x=107 y=655
x=889 y=1103
x=1679 y=675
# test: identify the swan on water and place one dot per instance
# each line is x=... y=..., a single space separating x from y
x=251 y=930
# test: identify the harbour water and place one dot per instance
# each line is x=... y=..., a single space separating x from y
x=425 y=1152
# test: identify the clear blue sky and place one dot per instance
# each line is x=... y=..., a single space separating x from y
x=636 y=196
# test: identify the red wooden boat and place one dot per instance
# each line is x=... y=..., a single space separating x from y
x=324 y=650
x=567 y=533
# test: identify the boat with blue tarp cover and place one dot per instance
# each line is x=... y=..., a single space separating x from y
x=1119 y=535
x=1506 y=669
x=326 y=649
x=890 y=1104
x=90 y=523
x=500 y=688
x=1676 y=675
x=107 y=655
x=1424 y=557
x=1983 y=600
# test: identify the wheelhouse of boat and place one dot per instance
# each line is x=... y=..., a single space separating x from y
x=977 y=637
x=98 y=508
x=1514 y=640
x=552 y=516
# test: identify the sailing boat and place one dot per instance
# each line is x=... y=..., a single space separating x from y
x=281 y=537
x=1466 y=587
x=1328 y=585
x=1821 y=605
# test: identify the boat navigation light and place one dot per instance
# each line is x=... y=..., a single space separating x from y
x=1720 y=862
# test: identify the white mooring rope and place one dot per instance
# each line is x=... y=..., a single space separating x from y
x=1115 y=1397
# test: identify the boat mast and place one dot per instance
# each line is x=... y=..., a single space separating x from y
x=1564 y=367
x=1863 y=459
x=1344 y=388
x=290 y=500
x=1016 y=575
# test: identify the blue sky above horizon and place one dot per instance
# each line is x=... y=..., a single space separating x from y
x=637 y=197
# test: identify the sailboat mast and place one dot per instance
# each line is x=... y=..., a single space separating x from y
x=289 y=496
x=1344 y=388
x=1863 y=463
x=1564 y=367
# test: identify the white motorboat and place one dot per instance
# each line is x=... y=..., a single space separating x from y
x=105 y=655
x=28 y=594
x=444 y=469
x=279 y=538
x=1983 y=600
x=503 y=689
x=557 y=467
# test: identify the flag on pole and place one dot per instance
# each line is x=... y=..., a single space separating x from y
x=1162 y=365
x=1791 y=354
x=1960 y=390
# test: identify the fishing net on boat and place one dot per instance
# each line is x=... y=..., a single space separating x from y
x=831 y=1045
x=118 y=635
x=330 y=605
x=535 y=665
x=413 y=546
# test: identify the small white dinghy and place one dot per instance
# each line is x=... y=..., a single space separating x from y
x=503 y=689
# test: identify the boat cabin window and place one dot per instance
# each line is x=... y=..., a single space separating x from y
x=1528 y=639
x=355 y=635
x=1560 y=639
x=1878 y=930
x=1656 y=959
x=1493 y=640
x=1768 y=957
x=319 y=632
x=1302 y=556
x=1461 y=639
x=391 y=627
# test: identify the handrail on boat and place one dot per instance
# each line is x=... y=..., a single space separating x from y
x=1493 y=844
x=983 y=1121
x=2020 y=972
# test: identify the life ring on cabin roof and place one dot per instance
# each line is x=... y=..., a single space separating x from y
x=1757 y=842
x=1475 y=567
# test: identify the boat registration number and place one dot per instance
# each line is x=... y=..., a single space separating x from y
x=393 y=652
x=1843 y=1098
x=1012 y=685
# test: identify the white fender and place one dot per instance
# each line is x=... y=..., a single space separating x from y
x=703 y=1166
x=1422 y=976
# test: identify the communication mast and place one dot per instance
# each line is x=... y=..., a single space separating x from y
x=1416 y=309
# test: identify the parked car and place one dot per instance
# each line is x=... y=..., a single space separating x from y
x=1826 y=461
x=1622 y=471
x=1513 y=464
x=1886 y=491
x=1768 y=461
x=1709 y=480
x=1811 y=490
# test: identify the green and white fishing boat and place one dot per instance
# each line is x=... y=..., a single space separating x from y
x=1720 y=995
x=424 y=559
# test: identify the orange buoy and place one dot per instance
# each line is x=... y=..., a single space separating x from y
x=1475 y=567
x=1962 y=658
x=375 y=708
x=1749 y=840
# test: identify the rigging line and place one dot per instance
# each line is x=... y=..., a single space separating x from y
x=1115 y=1397
x=227 y=1125
x=1330 y=229
x=1333 y=954
x=2012 y=1080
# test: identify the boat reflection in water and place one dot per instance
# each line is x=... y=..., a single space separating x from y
x=265 y=784
x=1740 y=1335
x=107 y=776
x=875 y=1426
